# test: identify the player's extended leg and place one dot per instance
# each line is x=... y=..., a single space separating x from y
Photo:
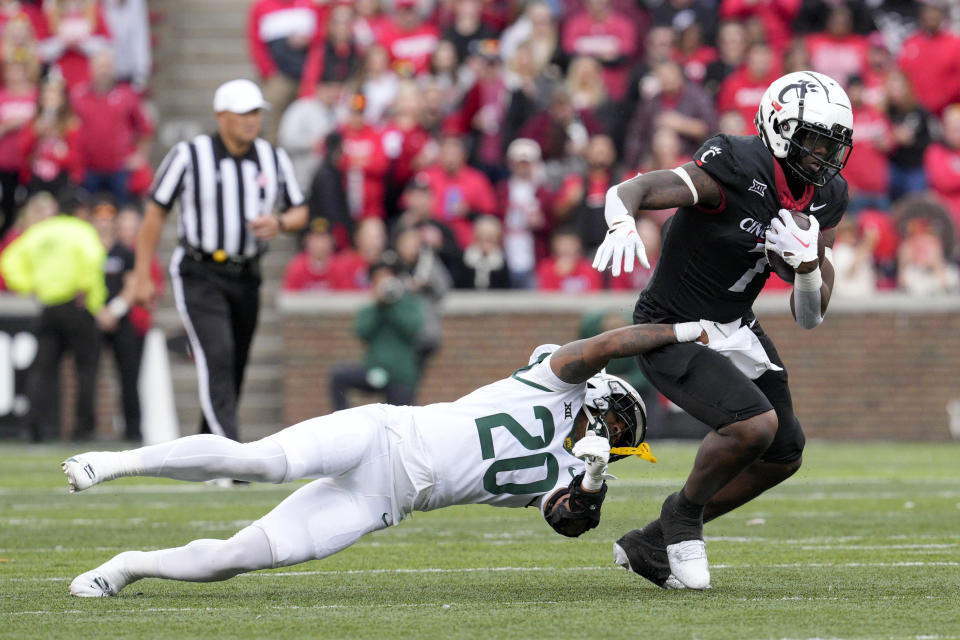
x=709 y=387
x=326 y=446
x=644 y=550
x=193 y=458
x=317 y=520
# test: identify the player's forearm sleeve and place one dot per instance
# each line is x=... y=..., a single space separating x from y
x=806 y=299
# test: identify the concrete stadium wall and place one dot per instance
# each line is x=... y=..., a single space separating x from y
x=880 y=368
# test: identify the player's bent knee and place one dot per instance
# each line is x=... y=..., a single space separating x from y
x=755 y=433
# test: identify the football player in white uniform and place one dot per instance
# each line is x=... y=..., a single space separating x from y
x=510 y=443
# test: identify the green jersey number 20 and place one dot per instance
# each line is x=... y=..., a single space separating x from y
x=485 y=427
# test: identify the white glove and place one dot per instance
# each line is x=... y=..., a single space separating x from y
x=620 y=246
x=790 y=242
x=594 y=450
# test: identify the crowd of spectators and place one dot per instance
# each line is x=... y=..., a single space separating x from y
x=494 y=127
x=75 y=137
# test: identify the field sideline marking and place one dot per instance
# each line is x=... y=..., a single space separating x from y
x=342 y=572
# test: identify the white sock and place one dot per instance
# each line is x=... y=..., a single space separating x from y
x=202 y=560
x=206 y=457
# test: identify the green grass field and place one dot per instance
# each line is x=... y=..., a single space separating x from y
x=863 y=543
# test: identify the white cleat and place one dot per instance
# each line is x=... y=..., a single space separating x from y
x=688 y=563
x=87 y=469
x=672 y=583
x=95 y=584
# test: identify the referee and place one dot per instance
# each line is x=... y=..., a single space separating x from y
x=236 y=191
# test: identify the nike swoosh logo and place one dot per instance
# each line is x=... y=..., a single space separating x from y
x=817 y=207
x=806 y=245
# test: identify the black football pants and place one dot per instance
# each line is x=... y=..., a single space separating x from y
x=62 y=328
x=127 y=347
x=219 y=306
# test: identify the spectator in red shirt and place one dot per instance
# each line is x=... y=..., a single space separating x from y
x=484 y=109
x=349 y=269
x=18 y=105
x=309 y=270
x=838 y=52
x=774 y=15
x=279 y=36
x=51 y=143
x=78 y=30
x=566 y=269
x=406 y=143
x=579 y=203
x=19 y=42
x=524 y=201
x=744 y=87
x=731 y=52
x=409 y=39
x=12 y=10
x=560 y=130
x=335 y=57
x=460 y=192
x=879 y=65
x=931 y=59
x=115 y=133
x=364 y=163
x=868 y=174
x=370 y=23
x=693 y=54
x=942 y=163
x=607 y=35
x=679 y=105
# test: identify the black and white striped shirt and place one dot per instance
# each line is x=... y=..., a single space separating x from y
x=221 y=194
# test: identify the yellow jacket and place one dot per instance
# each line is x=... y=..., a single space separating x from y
x=57 y=259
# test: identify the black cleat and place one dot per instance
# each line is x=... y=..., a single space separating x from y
x=644 y=552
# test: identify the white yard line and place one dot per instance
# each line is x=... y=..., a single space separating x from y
x=438 y=570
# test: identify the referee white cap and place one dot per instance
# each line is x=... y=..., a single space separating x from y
x=238 y=96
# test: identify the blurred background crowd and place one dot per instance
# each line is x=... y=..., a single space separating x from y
x=468 y=144
x=495 y=127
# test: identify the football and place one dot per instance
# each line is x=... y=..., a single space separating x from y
x=777 y=263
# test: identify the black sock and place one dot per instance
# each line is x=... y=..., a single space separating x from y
x=687 y=509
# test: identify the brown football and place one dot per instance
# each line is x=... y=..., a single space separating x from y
x=780 y=267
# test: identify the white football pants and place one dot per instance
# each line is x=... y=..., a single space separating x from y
x=348 y=450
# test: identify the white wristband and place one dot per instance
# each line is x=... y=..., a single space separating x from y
x=589 y=483
x=614 y=208
x=687 y=331
x=808 y=281
x=118 y=307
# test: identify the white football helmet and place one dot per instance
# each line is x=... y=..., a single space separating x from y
x=607 y=392
x=807 y=114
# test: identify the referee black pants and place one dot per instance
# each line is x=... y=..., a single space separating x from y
x=219 y=306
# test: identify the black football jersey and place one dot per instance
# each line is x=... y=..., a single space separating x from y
x=712 y=264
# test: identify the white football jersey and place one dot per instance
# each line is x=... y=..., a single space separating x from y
x=502 y=444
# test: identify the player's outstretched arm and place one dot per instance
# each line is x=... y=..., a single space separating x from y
x=579 y=360
x=686 y=185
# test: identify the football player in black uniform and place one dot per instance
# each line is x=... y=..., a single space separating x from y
x=735 y=205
